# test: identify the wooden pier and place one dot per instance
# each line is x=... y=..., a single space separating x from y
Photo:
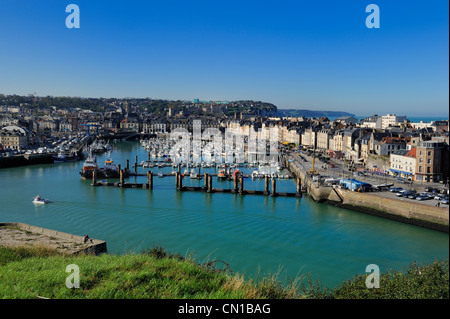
x=238 y=183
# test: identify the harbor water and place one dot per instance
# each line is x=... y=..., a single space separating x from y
x=255 y=235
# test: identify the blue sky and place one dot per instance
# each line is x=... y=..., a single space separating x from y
x=296 y=54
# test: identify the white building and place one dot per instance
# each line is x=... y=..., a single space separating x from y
x=382 y=122
x=391 y=120
x=402 y=163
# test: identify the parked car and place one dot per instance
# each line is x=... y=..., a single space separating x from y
x=396 y=189
x=413 y=196
x=423 y=197
x=444 y=201
x=400 y=193
x=407 y=193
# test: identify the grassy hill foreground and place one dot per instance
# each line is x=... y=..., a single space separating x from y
x=41 y=273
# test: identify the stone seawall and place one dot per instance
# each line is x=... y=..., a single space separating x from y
x=410 y=212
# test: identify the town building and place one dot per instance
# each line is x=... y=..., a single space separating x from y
x=13 y=137
x=432 y=161
x=402 y=163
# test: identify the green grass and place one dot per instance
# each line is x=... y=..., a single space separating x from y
x=414 y=282
x=41 y=273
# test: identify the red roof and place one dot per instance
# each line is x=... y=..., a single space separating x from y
x=411 y=153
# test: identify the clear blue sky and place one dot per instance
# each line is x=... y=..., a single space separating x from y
x=296 y=54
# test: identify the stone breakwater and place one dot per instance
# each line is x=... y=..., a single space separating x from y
x=372 y=203
x=18 y=234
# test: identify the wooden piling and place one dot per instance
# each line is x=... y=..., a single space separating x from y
x=180 y=181
x=235 y=185
x=274 y=187
x=299 y=188
x=206 y=181
x=209 y=184
x=121 y=178
x=93 y=178
x=128 y=164
x=266 y=185
x=135 y=166
x=150 y=179
x=241 y=185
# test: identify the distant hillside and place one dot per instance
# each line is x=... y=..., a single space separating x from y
x=309 y=113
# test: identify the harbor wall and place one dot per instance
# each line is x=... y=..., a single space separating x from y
x=97 y=247
x=24 y=160
x=411 y=212
x=415 y=213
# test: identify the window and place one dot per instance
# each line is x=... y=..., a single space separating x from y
x=420 y=169
x=429 y=161
x=429 y=153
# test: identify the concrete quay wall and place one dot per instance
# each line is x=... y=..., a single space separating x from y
x=410 y=212
x=44 y=236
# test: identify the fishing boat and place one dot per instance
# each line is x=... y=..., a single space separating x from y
x=89 y=166
x=110 y=170
x=222 y=175
x=60 y=158
x=39 y=200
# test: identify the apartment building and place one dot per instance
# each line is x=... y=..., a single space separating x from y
x=432 y=161
x=13 y=137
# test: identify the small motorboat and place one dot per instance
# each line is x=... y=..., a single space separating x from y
x=193 y=174
x=222 y=175
x=39 y=200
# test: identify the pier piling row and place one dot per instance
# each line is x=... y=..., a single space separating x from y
x=238 y=183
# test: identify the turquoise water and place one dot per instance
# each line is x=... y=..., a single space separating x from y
x=254 y=234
